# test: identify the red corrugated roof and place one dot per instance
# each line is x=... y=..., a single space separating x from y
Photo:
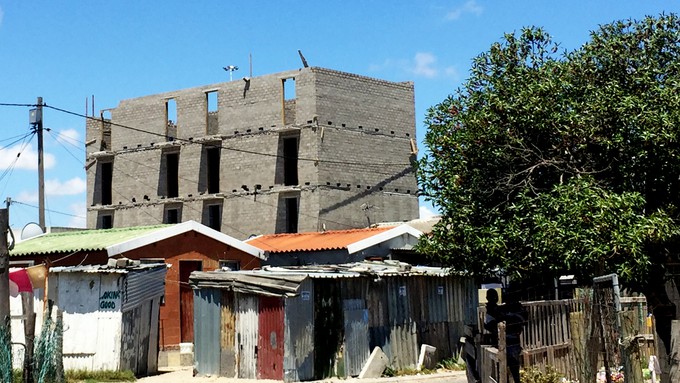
x=313 y=241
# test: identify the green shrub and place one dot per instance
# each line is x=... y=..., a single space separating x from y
x=534 y=375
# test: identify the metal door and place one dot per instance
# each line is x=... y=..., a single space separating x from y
x=270 y=339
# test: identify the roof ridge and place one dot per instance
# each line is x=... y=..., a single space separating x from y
x=325 y=232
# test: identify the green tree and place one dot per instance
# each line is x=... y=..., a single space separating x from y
x=548 y=162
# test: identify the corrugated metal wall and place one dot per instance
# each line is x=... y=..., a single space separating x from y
x=270 y=339
x=207 y=331
x=137 y=344
x=141 y=286
x=357 y=347
x=246 y=335
x=298 y=359
x=300 y=338
x=328 y=326
x=228 y=335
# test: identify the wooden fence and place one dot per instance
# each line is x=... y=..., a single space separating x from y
x=547 y=336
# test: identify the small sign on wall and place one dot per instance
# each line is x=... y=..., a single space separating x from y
x=109 y=300
x=305 y=295
x=402 y=291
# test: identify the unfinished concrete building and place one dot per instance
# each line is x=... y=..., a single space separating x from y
x=296 y=151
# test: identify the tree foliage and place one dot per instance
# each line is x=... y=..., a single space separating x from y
x=560 y=162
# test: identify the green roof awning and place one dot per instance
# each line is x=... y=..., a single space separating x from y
x=83 y=240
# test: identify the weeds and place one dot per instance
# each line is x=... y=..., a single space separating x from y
x=534 y=375
x=80 y=376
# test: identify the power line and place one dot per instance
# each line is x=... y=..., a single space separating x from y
x=15 y=104
x=65 y=148
x=51 y=211
x=10 y=169
x=316 y=160
x=226 y=197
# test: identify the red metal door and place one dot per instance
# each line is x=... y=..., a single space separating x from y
x=270 y=339
x=186 y=300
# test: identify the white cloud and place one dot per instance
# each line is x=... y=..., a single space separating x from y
x=69 y=136
x=426 y=212
x=27 y=160
x=80 y=211
x=73 y=186
x=424 y=65
x=469 y=7
x=55 y=188
x=452 y=72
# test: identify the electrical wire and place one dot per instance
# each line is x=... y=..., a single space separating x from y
x=10 y=169
x=56 y=138
x=15 y=104
x=232 y=196
x=315 y=160
x=48 y=210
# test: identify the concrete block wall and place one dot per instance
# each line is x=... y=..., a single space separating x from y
x=358 y=101
x=341 y=120
x=342 y=209
x=362 y=160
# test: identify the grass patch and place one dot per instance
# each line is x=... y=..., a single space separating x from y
x=85 y=376
x=449 y=364
x=534 y=375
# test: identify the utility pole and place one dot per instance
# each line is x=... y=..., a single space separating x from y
x=36 y=120
x=4 y=269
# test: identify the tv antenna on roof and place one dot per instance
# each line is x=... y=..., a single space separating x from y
x=231 y=69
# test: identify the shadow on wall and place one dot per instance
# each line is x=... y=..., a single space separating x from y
x=366 y=192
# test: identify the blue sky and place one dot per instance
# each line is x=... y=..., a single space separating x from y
x=68 y=51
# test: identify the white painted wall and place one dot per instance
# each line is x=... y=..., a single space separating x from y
x=17 y=325
x=91 y=305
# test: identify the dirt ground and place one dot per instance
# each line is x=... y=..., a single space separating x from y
x=184 y=375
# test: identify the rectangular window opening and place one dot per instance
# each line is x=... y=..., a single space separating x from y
x=106 y=222
x=213 y=159
x=289 y=89
x=211 y=113
x=230 y=265
x=291 y=215
x=172 y=215
x=290 y=161
x=107 y=183
x=171 y=119
x=214 y=217
x=172 y=174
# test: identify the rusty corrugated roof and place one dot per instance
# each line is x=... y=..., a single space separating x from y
x=313 y=241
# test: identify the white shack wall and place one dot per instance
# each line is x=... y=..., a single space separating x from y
x=91 y=306
x=17 y=324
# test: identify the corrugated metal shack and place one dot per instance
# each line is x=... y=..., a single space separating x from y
x=312 y=322
x=110 y=315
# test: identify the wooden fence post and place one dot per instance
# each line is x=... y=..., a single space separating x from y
x=633 y=373
x=502 y=355
x=674 y=375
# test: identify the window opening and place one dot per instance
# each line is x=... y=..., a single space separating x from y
x=289 y=89
x=106 y=183
x=288 y=102
x=212 y=119
x=214 y=217
x=172 y=174
x=290 y=161
x=291 y=215
x=107 y=222
x=172 y=215
x=171 y=119
x=213 y=157
x=231 y=265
